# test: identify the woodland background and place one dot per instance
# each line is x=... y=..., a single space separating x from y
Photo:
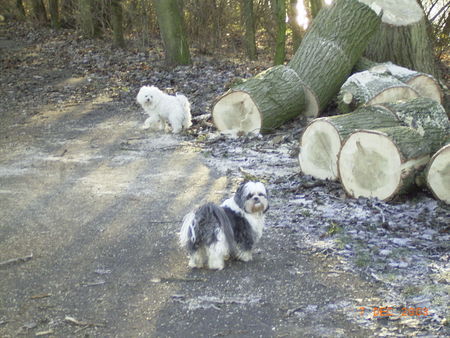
x=264 y=29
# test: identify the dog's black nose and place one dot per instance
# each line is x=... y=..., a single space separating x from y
x=256 y=198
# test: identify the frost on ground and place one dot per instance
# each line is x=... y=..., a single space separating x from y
x=402 y=246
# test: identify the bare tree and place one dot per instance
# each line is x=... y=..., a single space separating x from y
x=170 y=20
x=248 y=18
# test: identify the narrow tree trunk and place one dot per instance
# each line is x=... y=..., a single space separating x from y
x=323 y=137
x=255 y=105
x=67 y=13
x=371 y=88
x=89 y=23
x=279 y=7
x=20 y=9
x=403 y=39
x=53 y=8
x=314 y=7
x=170 y=20
x=297 y=31
x=248 y=19
x=382 y=163
x=437 y=174
x=39 y=12
x=117 y=23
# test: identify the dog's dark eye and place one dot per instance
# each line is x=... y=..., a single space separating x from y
x=249 y=196
x=261 y=194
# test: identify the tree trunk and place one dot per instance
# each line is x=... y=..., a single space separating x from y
x=117 y=23
x=39 y=12
x=279 y=7
x=368 y=87
x=314 y=7
x=331 y=47
x=426 y=116
x=54 y=13
x=67 y=13
x=89 y=23
x=261 y=103
x=323 y=61
x=20 y=9
x=403 y=38
x=248 y=19
x=382 y=163
x=437 y=174
x=424 y=84
x=323 y=137
x=297 y=31
x=170 y=20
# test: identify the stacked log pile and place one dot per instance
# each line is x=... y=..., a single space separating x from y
x=392 y=121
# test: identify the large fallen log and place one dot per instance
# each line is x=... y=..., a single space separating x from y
x=437 y=174
x=368 y=87
x=382 y=163
x=424 y=84
x=334 y=43
x=260 y=103
x=402 y=37
x=323 y=138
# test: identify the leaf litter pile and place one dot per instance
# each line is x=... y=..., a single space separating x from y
x=402 y=246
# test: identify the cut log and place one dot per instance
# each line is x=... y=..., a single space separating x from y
x=324 y=60
x=426 y=116
x=382 y=163
x=330 y=49
x=368 y=87
x=437 y=174
x=402 y=37
x=322 y=139
x=424 y=84
x=261 y=103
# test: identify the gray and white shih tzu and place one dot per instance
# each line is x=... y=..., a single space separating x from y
x=212 y=234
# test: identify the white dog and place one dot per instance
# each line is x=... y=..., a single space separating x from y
x=163 y=108
x=212 y=234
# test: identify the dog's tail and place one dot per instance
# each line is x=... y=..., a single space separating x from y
x=201 y=225
x=187 y=109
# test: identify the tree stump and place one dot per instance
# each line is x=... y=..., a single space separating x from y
x=323 y=137
x=382 y=163
x=261 y=103
x=368 y=87
x=402 y=37
x=437 y=174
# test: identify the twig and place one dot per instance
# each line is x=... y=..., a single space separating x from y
x=74 y=321
x=16 y=260
x=96 y=283
x=44 y=333
x=176 y=280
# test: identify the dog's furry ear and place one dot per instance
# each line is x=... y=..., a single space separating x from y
x=239 y=197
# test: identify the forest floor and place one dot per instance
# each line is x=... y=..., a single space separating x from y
x=90 y=207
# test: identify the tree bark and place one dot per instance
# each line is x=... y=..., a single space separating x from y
x=330 y=49
x=117 y=23
x=372 y=88
x=403 y=38
x=297 y=31
x=382 y=163
x=323 y=138
x=424 y=84
x=248 y=18
x=261 y=103
x=170 y=20
x=437 y=173
x=279 y=7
